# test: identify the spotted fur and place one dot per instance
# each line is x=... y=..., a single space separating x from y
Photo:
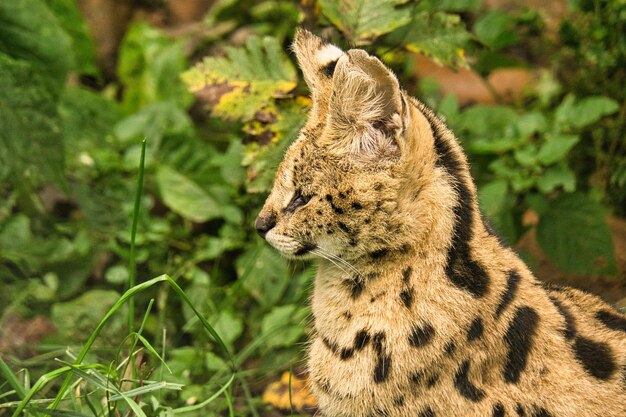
x=419 y=309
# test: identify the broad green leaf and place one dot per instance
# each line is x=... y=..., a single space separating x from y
x=526 y=155
x=574 y=234
x=498 y=205
x=557 y=176
x=495 y=29
x=29 y=31
x=185 y=197
x=150 y=65
x=263 y=273
x=87 y=119
x=584 y=112
x=439 y=35
x=31 y=145
x=153 y=122
x=245 y=81
x=453 y=5
x=362 y=21
x=214 y=363
x=528 y=124
x=73 y=23
x=283 y=325
x=489 y=121
x=555 y=148
x=227 y=325
x=77 y=318
x=492 y=196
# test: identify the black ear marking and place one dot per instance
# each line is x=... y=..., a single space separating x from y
x=329 y=69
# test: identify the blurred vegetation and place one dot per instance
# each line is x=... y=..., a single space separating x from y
x=216 y=127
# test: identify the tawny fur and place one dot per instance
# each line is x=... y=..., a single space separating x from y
x=389 y=198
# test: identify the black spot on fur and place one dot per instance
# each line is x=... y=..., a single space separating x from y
x=512 y=283
x=361 y=339
x=432 y=380
x=570 y=324
x=427 y=412
x=332 y=346
x=417 y=377
x=541 y=412
x=343 y=227
x=377 y=254
x=498 y=410
x=337 y=210
x=464 y=386
x=346 y=353
x=329 y=69
x=595 y=357
x=520 y=410
x=611 y=320
x=355 y=285
x=450 y=348
x=378 y=186
x=406 y=274
x=407 y=297
x=305 y=249
x=383 y=360
x=347 y=315
x=356 y=205
x=464 y=272
x=341 y=194
x=519 y=338
x=399 y=401
x=421 y=335
x=476 y=329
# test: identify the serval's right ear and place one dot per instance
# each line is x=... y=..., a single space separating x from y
x=317 y=59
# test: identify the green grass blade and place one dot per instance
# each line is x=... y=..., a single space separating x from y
x=60 y=413
x=132 y=269
x=148 y=388
x=94 y=334
x=12 y=379
x=207 y=401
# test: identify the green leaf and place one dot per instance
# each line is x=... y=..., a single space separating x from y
x=76 y=319
x=248 y=79
x=185 y=197
x=263 y=273
x=31 y=145
x=150 y=65
x=574 y=234
x=29 y=31
x=453 y=5
x=283 y=326
x=556 y=148
x=83 y=48
x=557 y=176
x=495 y=29
x=362 y=21
x=228 y=326
x=584 y=112
x=439 y=35
x=492 y=197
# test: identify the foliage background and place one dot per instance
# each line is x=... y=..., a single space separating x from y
x=213 y=89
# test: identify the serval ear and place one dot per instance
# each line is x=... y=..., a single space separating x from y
x=317 y=59
x=366 y=113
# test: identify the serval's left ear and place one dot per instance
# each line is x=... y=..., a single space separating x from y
x=317 y=59
x=367 y=110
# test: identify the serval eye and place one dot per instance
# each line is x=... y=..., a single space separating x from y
x=298 y=200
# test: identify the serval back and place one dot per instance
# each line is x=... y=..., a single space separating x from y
x=419 y=309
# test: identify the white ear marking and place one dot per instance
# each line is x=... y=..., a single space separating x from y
x=328 y=54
